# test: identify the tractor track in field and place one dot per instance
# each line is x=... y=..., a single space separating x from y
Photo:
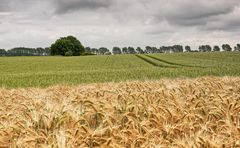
x=172 y=63
x=153 y=63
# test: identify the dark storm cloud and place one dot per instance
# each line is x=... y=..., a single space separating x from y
x=64 y=6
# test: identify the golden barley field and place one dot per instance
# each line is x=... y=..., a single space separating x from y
x=200 y=112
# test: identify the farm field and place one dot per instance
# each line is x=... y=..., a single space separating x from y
x=18 y=72
x=199 y=112
x=119 y=74
x=151 y=100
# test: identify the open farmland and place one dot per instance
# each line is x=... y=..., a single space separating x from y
x=119 y=74
x=200 y=112
x=46 y=71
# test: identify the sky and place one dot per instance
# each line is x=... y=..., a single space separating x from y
x=108 y=23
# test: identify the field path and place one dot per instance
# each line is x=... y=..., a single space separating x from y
x=171 y=63
x=155 y=62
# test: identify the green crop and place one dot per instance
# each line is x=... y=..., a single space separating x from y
x=46 y=71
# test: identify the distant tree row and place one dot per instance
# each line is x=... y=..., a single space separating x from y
x=225 y=47
x=100 y=51
x=163 y=49
x=132 y=50
x=65 y=48
x=23 y=51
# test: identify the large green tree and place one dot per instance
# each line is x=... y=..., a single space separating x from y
x=67 y=46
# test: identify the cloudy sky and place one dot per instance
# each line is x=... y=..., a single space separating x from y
x=96 y=23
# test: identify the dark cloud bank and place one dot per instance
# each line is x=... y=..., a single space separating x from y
x=64 y=6
x=119 y=22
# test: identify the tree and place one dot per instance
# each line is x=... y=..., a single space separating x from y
x=205 y=48
x=177 y=48
x=237 y=48
x=226 y=47
x=108 y=53
x=163 y=49
x=124 y=50
x=103 y=50
x=131 y=50
x=66 y=45
x=216 y=48
x=154 y=50
x=47 y=51
x=3 y=52
x=69 y=53
x=116 y=50
x=208 y=48
x=188 y=48
x=87 y=50
x=94 y=51
x=148 y=49
x=201 y=48
x=139 y=50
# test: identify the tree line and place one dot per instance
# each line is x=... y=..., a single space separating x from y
x=162 y=49
x=23 y=51
x=71 y=46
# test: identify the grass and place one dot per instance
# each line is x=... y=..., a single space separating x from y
x=201 y=112
x=46 y=71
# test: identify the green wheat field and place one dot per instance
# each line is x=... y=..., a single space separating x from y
x=18 y=72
